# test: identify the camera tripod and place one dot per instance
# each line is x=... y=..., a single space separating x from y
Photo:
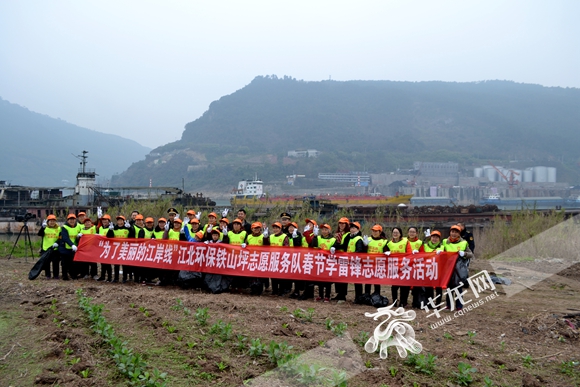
x=27 y=241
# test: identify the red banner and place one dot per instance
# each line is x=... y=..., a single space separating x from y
x=297 y=263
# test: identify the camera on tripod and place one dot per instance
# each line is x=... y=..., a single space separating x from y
x=24 y=218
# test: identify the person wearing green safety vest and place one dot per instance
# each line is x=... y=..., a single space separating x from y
x=354 y=243
x=398 y=244
x=256 y=238
x=81 y=216
x=435 y=245
x=193 y=226
x=149 y=228
x=341 y=233
x=50 y=233
x=176 y=233
x=376 y=244
x=296 y=239
x=86 y=269
x=120 y=231
x=160 y=229
x=68 y=247
x=325 y=241
x=278 y=238
x=106 y=229
x=211 y=223
x=456 y=244
x=415 y=245
x=237 y=236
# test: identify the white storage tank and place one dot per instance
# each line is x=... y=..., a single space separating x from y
x=551 y=175
x=478 y=172
x=528 y=175
x=490 y=173
x=541 y=174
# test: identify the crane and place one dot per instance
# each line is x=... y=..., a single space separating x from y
x=511 y=179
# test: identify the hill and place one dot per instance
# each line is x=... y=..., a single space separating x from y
x=37 y=150
x=377 y=125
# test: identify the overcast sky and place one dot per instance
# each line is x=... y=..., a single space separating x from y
x=143 y=69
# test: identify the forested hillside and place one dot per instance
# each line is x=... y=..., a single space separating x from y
x=375 y=125
x=38 y=150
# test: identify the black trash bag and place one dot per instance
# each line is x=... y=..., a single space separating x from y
x=39 y=265
x=257 y=287
x=460 y=273
x=379 y=301
x=364 y=299
x=189 y=279
x=217 y=283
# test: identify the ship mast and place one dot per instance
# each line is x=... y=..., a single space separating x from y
x=84 y=161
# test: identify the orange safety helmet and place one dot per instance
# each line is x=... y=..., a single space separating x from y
x=51 y=217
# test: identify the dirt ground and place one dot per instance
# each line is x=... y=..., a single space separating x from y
x=528 y=339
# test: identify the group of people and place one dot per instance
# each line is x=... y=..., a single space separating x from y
x=62 y=242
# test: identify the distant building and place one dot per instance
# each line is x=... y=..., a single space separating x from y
x=448 y=169
x=362 y=179
x=303 y=153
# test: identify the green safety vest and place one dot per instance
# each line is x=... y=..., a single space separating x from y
x=253 y=240
x=277 y=240
x=352 y=244
x=121 y=233
x=237 y=239
x=103 y=230
x=91 y=230
x=159 y=234
x=137 y=229
x=428 y=247
x=72 y=234
x=325 y=243
x=416 y=245
x=398 y=247
x=51 y=236
x=173 y=235
x=454 y=247
x=377 y=245
x=148 y=233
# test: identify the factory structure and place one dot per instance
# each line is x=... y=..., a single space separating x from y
x=433 y=183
